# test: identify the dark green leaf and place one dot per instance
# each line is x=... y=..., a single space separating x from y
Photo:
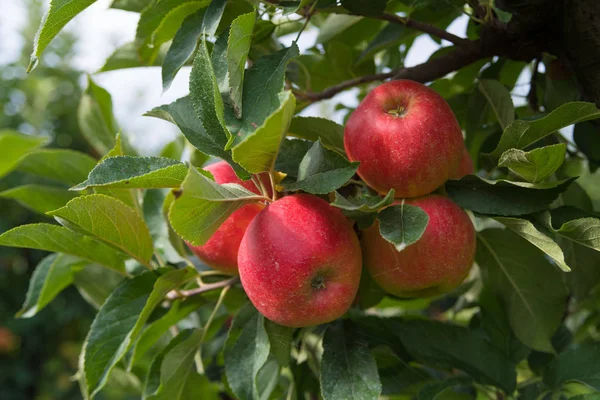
x=95 y=284
x=57 y=16
x=335 y=24
x=575 y=225
x=348 y=369
x=204 y=205
x=521 y=134
x=500 y=101
x=54 y=273
x=290 y=156
x=109 y=221
x=158 y=226
x=587 y=138
x=120 y=321
x=60 y=239
x=535 y=165
x=322 y=171
x=370 y=8
x=95 y=116
x=61 y=165
x=246 y=351
x=402 y=225
x=213 y=16
x=575 y=365
x=14 y=146
x=504 y=197
x=240 y=38
x=530 y=287
x=433 y=390
x=364 y=202
x=315 y=128
x=280 y=338
x=39 y=198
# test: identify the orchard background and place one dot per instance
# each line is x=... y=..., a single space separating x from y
x=110 y=304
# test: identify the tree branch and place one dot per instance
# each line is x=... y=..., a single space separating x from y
x=202 y=289
x=426 y=28
x=459 y=57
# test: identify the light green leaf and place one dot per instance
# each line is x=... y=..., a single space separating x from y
x=182 y=47
x=322 y=171
x=502 y=197
x=95 y=117
x=532 y=290
x=246 y=351
x=120 y=321
x=500 y=100
x=535 y=165
x=574 y=224
x=364 y=202
x=258 y=152
x=63 y=240
x=117 y=149
x=528 y=231
x=206 y=97
x=130 y=5
x=335 y=24
x=204 y=205
x=521 y=134
x=240 y=38
x=348 y=369
x=330 y=133
x=57 y=16
x=14 y=146
x=54 y=273
x=575 y=365
x=110 y=221
x=39 y=198
x=126 y=172
x=402 y=225
x=126 y=56
x=262 y=85
x=61 y=165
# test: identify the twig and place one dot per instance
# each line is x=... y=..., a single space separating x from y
x=198 y=356
x=308 y=15
x=532 y=98
x=204 y=288
x=426 y=28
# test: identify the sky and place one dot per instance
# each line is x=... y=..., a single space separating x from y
x=134 y=91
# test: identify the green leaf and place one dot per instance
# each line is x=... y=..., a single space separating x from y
x=532 y=290
x=322 y=171
x=291 y=153
x=348 y=369
x=128 y=172
x=182 y=47
x=178 y=377
x=213 y=16
x=120 y=321
x=130 y=5
x=402 y=225
x=500 y=101
x=535 y=165
x=155 y=330
x=95 y=117
x=54 y=273
x=280 y=338
x=204 y=205
x=126 y=56
x=258 y=152
x=335 y=24
x=370 y=8
x=156 y=220
x=575 y=365
x=521 y=134
x=61 y=165
x=159 y=22
x=433 y=390
x=246 y=351
x=529 y=232
x=504 y=197
x=240 y=38
x=39 y=198
x=57 y=16
x=364 y=202
x=95 y=284
x=330 y=133
x=63 y=240
x=110 y=221
x=262 y=85
x=574 y=224
x=14 y=146
x=206 y=97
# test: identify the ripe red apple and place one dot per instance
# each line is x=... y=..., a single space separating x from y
x=221 y=250
x=465 y=167
x=300 y=261
x=406 y=137
x=437 y=263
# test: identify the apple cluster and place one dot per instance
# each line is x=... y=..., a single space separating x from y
x=301 y=261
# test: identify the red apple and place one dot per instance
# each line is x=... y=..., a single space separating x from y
x=465 y=167
x=437 y=263
x=300 y=261
x=221 y=250
x=406 y=137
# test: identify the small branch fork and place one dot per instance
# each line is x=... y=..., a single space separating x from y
x=207 y=287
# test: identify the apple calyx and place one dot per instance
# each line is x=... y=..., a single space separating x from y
x=318 y=283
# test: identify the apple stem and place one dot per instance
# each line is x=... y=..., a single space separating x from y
x=272 y=178
x=398 y=112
